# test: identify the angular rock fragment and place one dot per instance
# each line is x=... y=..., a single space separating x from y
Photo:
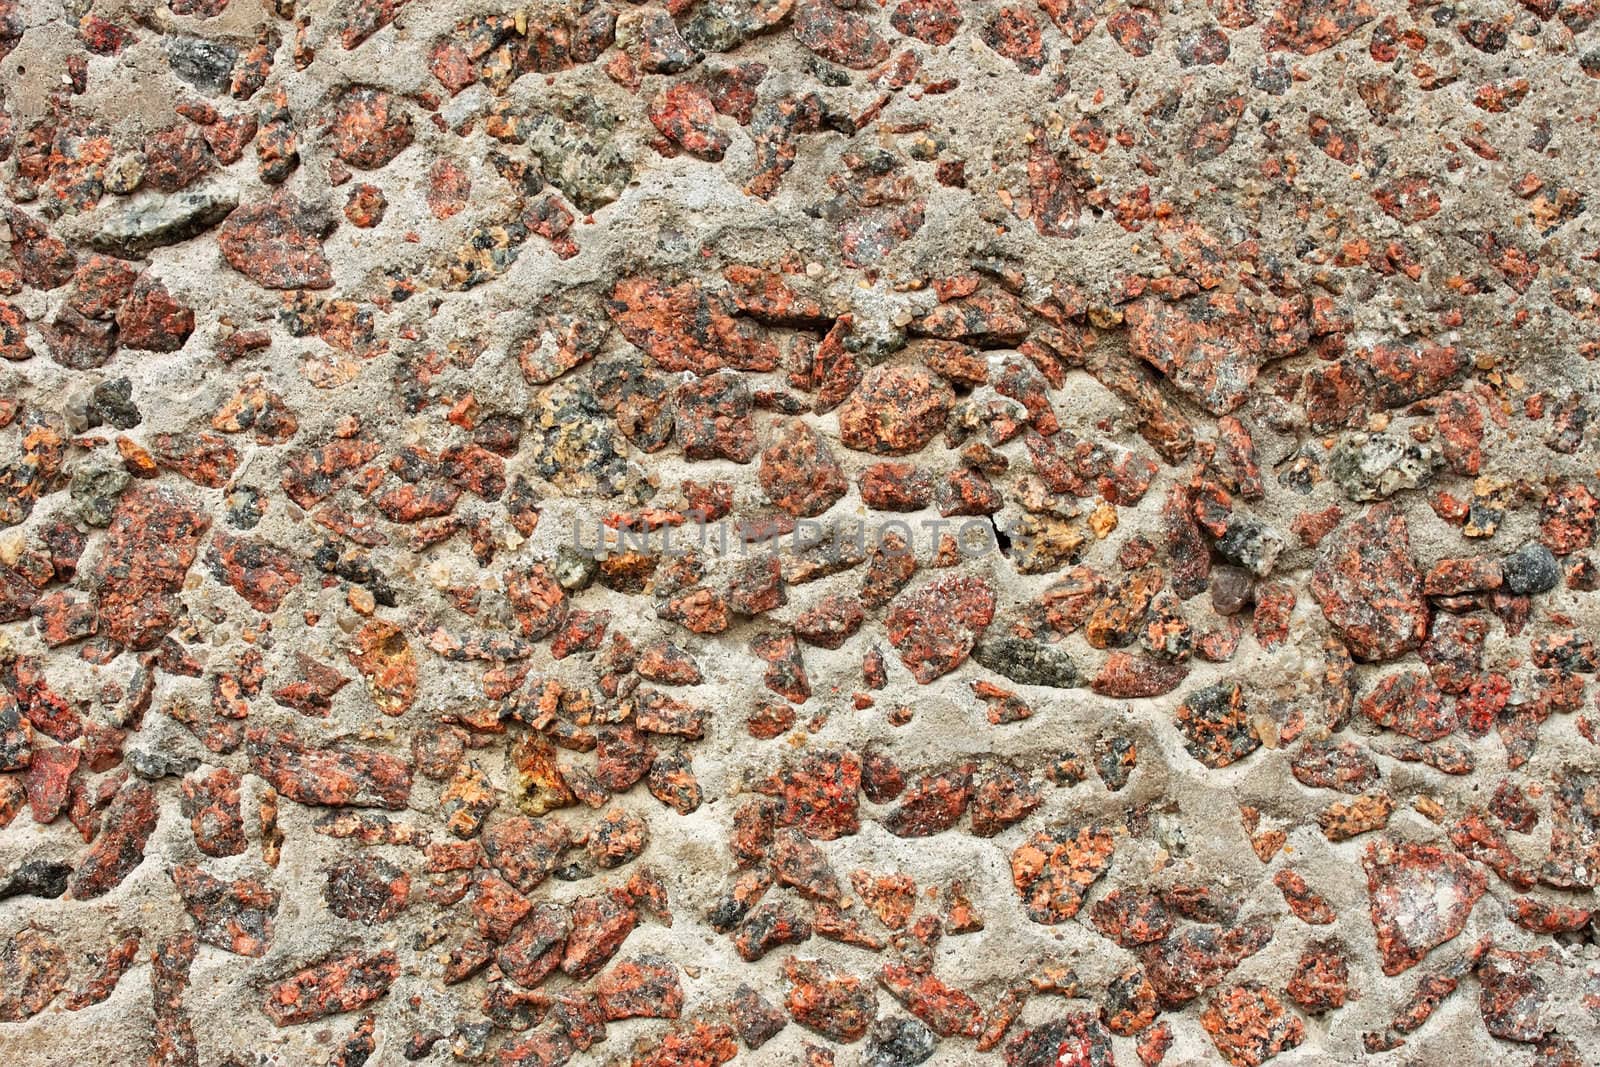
x=366 y=889
x=237 y=916
x=1028 y=662
x=342 y=984
x=130 y=819
x=646 y=987
x=895 y=410
x=1574 y=859
x=1054 y=868
x=369 y=128
x=1185 y=964
x=1249 y=1025
x=1420 y=897
x=1367 y=584
x=383 y=655
x=1411 y=704
x=33 y=969
x=36 y=878
x=334 y=776
x=686 y=326
x=600 y=924
x=151 y=222
x=1216 y=726
x=834 y=1003
x=840 y=36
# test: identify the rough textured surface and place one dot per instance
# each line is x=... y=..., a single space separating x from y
x=1042 y=533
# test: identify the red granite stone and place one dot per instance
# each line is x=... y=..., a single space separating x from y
x=1420 y=897
x=1368 y=586
x=343 y=984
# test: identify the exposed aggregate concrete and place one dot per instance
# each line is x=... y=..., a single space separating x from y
x=1241 y=708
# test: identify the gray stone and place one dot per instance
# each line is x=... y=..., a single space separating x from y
x=1376 y=466
x=573 y=570
x=1251 y=544
x=1029 y=662
x=111 y=404
x=95 y=488
x=153 y=766
x=156 y=221
x=581 y=161
x=36 y=878
x=1531 y=569
x=898 y=1042
x=203 y=64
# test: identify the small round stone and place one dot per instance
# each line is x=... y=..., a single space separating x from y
x=1230 y=590
x=1531 y=569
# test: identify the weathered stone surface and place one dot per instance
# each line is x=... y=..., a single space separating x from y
x=1420 y=897
x=211 y=804
x=366 y=889
x=369 y=128
x=33 y=969
x=335 y=775
x=838 y=1005
x=895 y=410
x=840 y=36
x=237 y=916
x=1368 y=586
x=686 y=326
x=1185 y=964
x=149 y=547
x=338 y=985
x=1053 y=869
x=1411 y=704
x=150 y=222
x=1249 y=1025
x=383 y=655
x=261 y=573
x=1216 y=725
x=934 y=627
x=646 y=987
x=799 y=472
x=1028 y=662
x=1210 y=347
x=130 y=819
x=277 y=243
x=151 y=320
